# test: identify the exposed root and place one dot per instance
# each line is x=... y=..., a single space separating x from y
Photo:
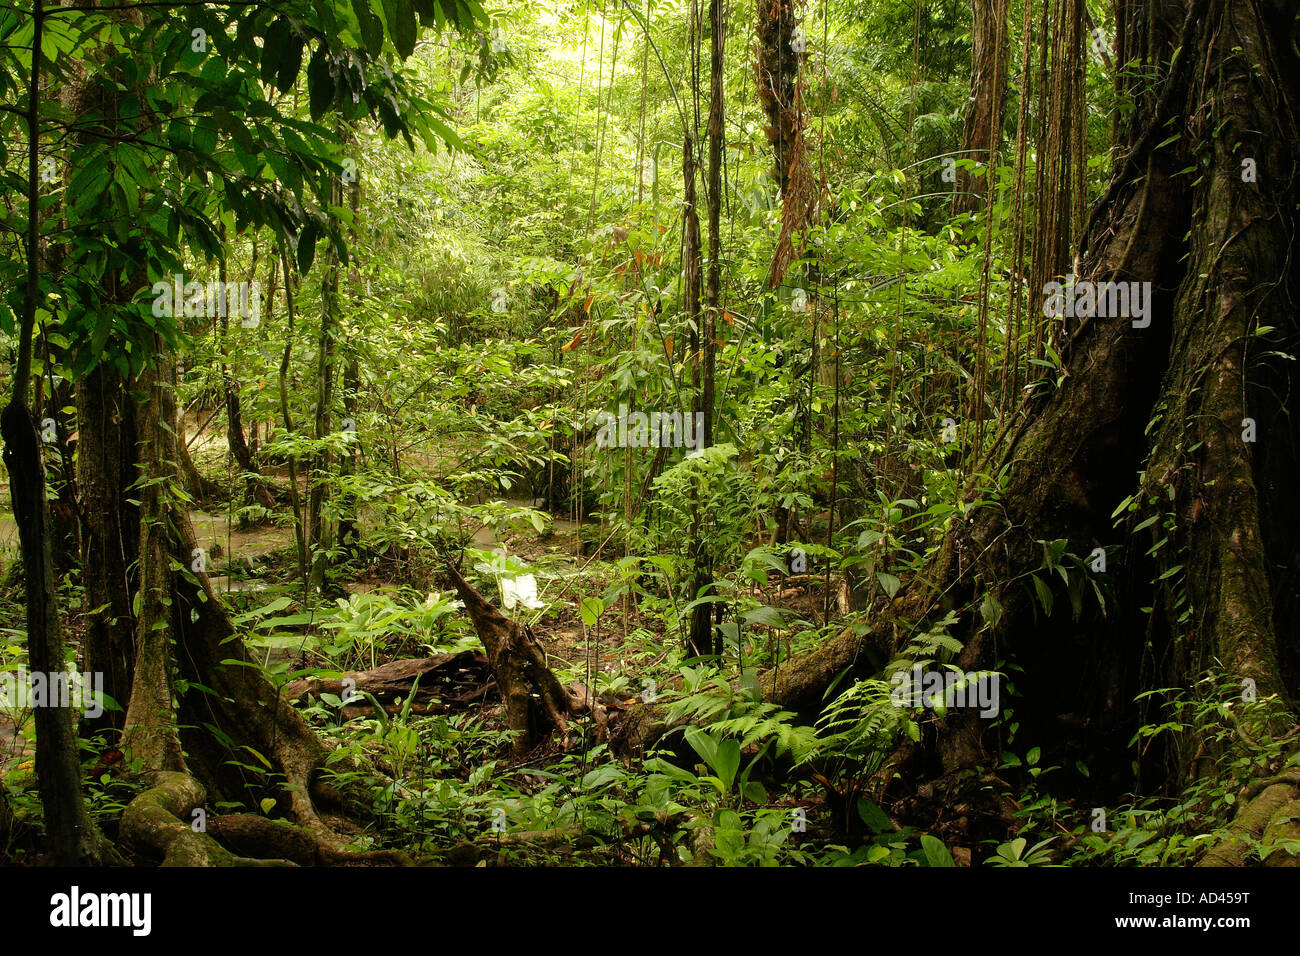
x=153 y=824
x=1269 y=820
x=262 y=836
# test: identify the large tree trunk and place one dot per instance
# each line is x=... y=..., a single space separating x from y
x=107 y=438
x=151 y=735
x=1216 y=249
x=110 y=536
x=776 y=68
x=73 y=838
x=227 y=706
x=780 y=49
x=983 y=129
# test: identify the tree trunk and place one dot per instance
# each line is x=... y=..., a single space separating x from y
x=704 y=637
x=151 y=734
x=319 y=524
x=73 y=838
x=347 y=529
x=983 y=128
x=536 y=703
x=60 y=450
x=1154 y=412
x=699 y=639
x=299 y=525
x=110 y=536
x=777 y=68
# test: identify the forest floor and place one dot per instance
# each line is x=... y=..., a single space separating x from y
x=368 y=617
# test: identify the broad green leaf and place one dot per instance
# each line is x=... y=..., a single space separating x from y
x=273 y=46
x=936 y=854
x=591 y=610
x=401 y=25
x=372 y=30
x=321 y=90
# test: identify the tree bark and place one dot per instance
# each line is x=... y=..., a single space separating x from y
x=110 y=537
x=704 y=637
x=319 y=524
x=537 y=705
x=777 y=68
x=151 y=734
x=1155 y=413
x=698 y=639
x=982 y=135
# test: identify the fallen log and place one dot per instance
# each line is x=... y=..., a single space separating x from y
x=441 y=683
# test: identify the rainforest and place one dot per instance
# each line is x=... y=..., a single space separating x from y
x=650 y=434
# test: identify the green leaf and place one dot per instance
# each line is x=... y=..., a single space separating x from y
x=321 y=89
x=990 y=610
x=1012 y=850
x=875 y=818
x=1044 y=594
x=765 y=615
x=703 y=744
x=273 y=45
x=602 y=775
x=727 y=763
x=290 y=63
x=401 y=25
x=307 y=246
x=372 y=30
x=936 y=854
x=754 y=792
x=266 y=763
x=591 y=610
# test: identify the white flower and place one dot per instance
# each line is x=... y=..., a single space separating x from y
x=522 y=591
